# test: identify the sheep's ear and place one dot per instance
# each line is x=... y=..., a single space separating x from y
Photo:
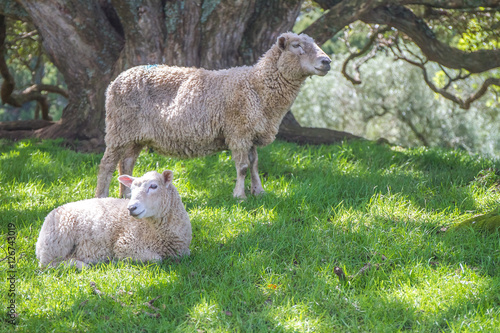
x=126 y=180
x=282 y=42
x=168 y=176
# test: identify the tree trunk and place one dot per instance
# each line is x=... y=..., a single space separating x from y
x=92 y=41
x=83 y=45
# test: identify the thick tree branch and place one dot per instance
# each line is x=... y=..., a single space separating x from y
x=417 y=30
x=327 y=4
x=453 y=4
x=339 y=16
x=343 y=12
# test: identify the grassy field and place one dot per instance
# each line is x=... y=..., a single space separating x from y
x=352 y=237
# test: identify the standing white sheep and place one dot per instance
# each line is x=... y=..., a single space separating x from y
x=150 y=226
x=189 y=112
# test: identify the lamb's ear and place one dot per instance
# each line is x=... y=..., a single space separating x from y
x=126 y=180
x=282 y=42
x=168 y=176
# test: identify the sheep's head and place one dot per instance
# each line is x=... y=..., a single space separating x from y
x=149 y=193
x=301 y=57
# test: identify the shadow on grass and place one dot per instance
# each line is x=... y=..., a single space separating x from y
x=231 y=285
x=350 y=174
x=240 y=281
x=43 y=162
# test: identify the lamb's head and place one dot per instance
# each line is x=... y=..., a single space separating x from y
x=301 y=57
x=149 y=193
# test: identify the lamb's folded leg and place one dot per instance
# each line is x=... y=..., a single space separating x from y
x=240 y=158
x=256 y=187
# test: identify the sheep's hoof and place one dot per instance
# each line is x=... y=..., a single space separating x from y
x=239 y=195
x=259 y=192
x=240 y=198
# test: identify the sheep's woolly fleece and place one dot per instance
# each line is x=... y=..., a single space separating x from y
x=189 y=112
x=97 y=230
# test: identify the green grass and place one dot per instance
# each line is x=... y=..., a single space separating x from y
x=267 y=264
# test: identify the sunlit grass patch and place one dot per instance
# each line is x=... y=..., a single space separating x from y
x=348 y=237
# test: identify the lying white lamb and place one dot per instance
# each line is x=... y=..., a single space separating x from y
x=150 y=226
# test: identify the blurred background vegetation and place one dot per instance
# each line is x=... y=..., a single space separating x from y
x=29 y=65
x=392 y=101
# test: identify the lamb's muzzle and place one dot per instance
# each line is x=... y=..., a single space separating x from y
x=134 y=211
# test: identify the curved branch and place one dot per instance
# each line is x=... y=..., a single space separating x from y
x=417 y=30
x=481 y=91
x=48 y=88
x=33 y=93
x=356 y=79
x=464 y=104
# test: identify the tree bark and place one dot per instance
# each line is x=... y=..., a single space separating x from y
x=83 y=45
x=406 y=21
x=92 y=41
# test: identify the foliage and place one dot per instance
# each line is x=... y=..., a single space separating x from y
x=30 y=65
x=373 y=212
x=393 y=102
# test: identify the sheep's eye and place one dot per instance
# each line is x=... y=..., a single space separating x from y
x=153 y=186
x=295 y=45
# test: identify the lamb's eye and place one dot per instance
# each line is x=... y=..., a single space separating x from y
x=153 y=186
x=295 y=45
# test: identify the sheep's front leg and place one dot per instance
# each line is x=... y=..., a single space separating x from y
x=106 y=169
x=241 y=161
x=256 y=187
x=126 y=166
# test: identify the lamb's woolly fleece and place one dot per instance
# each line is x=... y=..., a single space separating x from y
x=188 y=112
x=98 y=230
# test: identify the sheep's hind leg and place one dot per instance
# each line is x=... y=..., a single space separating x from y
x=241 y=162
x=126 y=165
x=256 y=187
x=106 y=169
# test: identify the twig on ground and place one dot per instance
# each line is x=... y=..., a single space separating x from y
x=150 y=303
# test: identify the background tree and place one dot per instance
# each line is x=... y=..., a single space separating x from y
x=92 y=41
x=20 y=43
